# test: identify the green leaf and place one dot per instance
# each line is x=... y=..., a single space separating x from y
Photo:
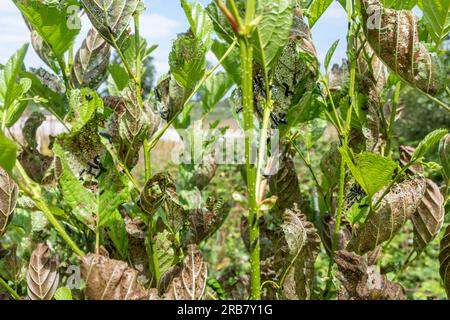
x=430 y=140
x=187 y=60
x=437 y=16
x=231 y=64
x=164 y=251
x=372 y=171
x=330 y=54
x=128 y=48
x=273 y=30
x=118 y=233
x=10 y=90
x=111 y=17
x=83 y=104
x=399 y=4
x=118 y=80
x=220 y=23
x=316 y=10
x=214 y=90
x=78 y=198
x=7 y=154
x=199 y=21
x=51 y=21
x=63 y=293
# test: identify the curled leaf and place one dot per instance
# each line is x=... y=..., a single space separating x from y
x=362 y=281
x=190 y=284
x=36 y=165
x=406 y=153
x=444 y=154
x=204 y=172
x=345 y=234
x=429 y=217
x=43 y=50
x=91 y=61
x=170 y=96
x=42 y=275
x=8 y=199
x=393 y=35
x=394 y=210
x=444 y=259
x=108 y=279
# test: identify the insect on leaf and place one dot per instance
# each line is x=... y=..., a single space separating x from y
x=42 y=275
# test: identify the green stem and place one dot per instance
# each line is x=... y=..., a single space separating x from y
x=205 y=77
x=11 y=291
x=395 y=100
x=34 y=193
x=247 y=97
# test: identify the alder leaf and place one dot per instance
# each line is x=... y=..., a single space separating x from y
x=444 y=155
x=8 y=199
x=63 y=293
x=108 y=279
x=437 y=16
x=52 y=22
x=297 y=252
x=395 y=209
x=187 y=60
x=330 y=54
x=170 y=96
x=371 y=171
x=190 y=284
x=429 y=217
x=199 y=21
x=444 y=259
x=316 y=10
x=204 y=172
x=362 y=281
x=394 y=37
x=8 y=154
x=42 y=275
x=91 y=61
x=43 y=50
x=231 y=63
x=214 y=90
x=430 y=140
x=83 y=103
x=111 y=17
x=272 y=30
x=406 y=153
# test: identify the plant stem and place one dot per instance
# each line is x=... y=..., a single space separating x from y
x=247 y=97
x=33 y=191
x=10 y=290
x=395 y=100
x=152 y=143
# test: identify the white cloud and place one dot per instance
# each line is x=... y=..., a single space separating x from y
x=155 y=26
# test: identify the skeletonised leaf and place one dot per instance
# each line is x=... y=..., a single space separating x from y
x=83 y=103
x=444 y=259
x=111 y=17
x=394 y=37
x=406 y=153
x=35 y=164
x=8 y=199
x=108 y=279
x=344 y=236
x=170 y=96
x=444 y=154
x=429 y=217
x=30 y=127
x=285 y=185
x=165 y=252
x=395 y=209
x=190 y=284
x=273 y=30
x=362 y=281
x=91 y=61
x=42 y=275
x=187 y=60
x=296 y=254
x=52 y=22
x=204 y=172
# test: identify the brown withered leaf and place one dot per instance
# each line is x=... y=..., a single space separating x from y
x=406 y=153
x=295 y=254
x=393 y=35
x=170 y=96
x=394 y=210
x=285 y=185
x=444 y=259
x=8 y=199
x=362 y=281
x=91 y=61
x=35 y=164
x=42 y=275
x=429 y=217
x=204 y=172
x=204 y=221
x=345 y=234
x=136 y=246
x=190 y=284
x=108 y=279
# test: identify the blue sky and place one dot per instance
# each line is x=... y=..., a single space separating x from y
x=160 y=24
